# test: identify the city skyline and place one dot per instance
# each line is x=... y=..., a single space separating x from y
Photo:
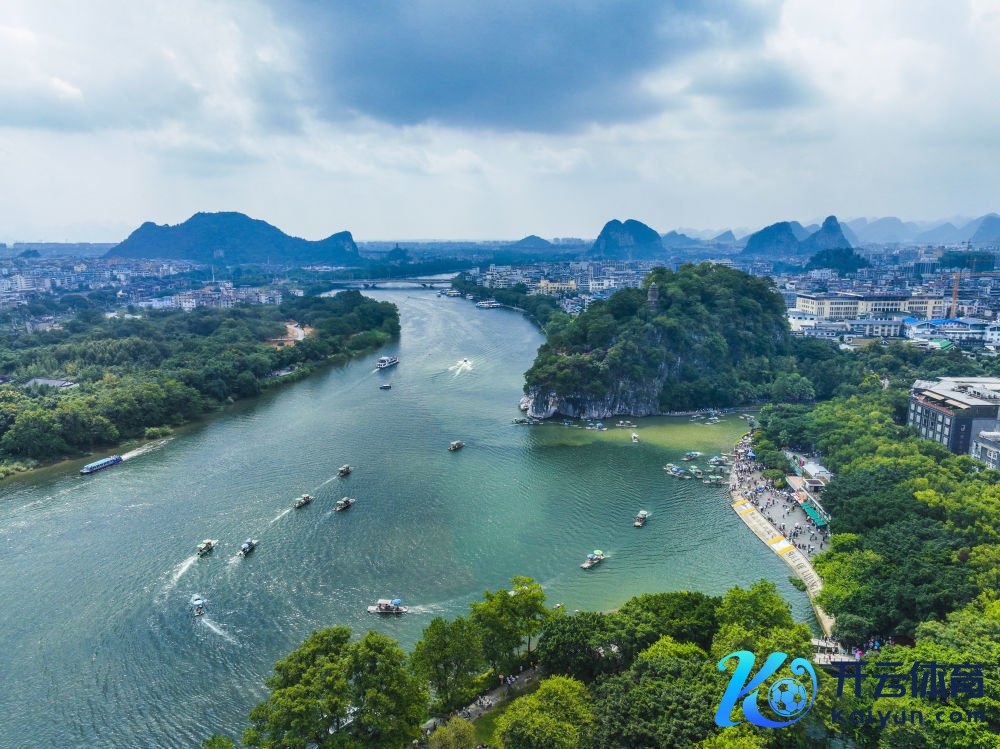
x=440 y=120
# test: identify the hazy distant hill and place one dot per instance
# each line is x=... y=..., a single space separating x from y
x=531 y=242
x=676 y=239
x=887 y=230
x=799 y=230
x=727 y=237
x=946 y=233
x=776 y=239
x=829 y=237
x=629 y=240
x=234 y=238
x=988 y=231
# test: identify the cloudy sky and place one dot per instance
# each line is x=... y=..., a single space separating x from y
x=493 y=119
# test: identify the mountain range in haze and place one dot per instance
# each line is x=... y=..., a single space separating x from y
x=234 y=238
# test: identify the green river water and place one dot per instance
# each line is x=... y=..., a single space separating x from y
x=99 y=648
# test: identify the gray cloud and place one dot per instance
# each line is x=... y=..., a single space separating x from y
x=510 y=65
x=754 y=85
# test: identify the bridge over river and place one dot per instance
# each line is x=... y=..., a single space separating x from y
x=427 y=282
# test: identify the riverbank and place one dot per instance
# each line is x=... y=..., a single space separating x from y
x=28 y=467
x=744 y=478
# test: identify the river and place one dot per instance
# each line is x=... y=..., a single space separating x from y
x=98 y=645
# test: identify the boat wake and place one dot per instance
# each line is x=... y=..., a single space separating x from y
x=212 y=626
x=280 y=515
x=180 y=569
x=146 y=448
x=334 y=477
x=175 y=576
x=464 y=365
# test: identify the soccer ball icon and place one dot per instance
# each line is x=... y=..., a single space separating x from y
x=788 y=697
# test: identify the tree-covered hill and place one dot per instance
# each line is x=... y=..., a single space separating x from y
x=137 y=373
x=712 y=338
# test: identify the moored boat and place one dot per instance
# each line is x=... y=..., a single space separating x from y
x=593 y=559
x=206 y=546
x=640 y=519
x=303 y=501
x=697 y=472
x=247 y=547
x=344 y=470
x=691 y=455
x=198 y=604
x=100 y=465
x=343 y=504
x=456 y=445
x=388 y=606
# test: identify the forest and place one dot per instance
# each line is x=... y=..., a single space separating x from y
x=137 y=373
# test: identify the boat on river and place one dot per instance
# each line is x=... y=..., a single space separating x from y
x=100 y=465
x=343 y=504
x=388 y=606
x=640 y=519
x=198 y=605
x=387 y=386
x=206 y=546
x=691 y=455
x=593 y=559
x=303 y=501
x=635 y=438
x=344 y=470
x=247 y=547
x=386 y=361
x=456 y=445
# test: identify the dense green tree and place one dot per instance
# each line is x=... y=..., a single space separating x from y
x=449 y=657
x=457 y=733
x=218 y=742
x=507 y=617
x=557 y=716
x=664 y=700
x=389 y=701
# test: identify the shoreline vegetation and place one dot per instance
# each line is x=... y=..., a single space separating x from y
x=129 y=378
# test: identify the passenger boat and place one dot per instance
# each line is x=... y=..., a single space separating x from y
x=635 y=437
x=625 y=424
x=388 y=606
x=697 y=472
x=386 y=361
x=593 y=559
x=343 y=504
x=344 y=470
x=100 y=465
x=691 y=455
x=198 y=604
x=303 y=501
x=386 y=386
x=456 y=445
x=640 y=519
x=247 y=547
x=206 y=546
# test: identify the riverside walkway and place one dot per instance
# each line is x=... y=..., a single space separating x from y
x=776 y=540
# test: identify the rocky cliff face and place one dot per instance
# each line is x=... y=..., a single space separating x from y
x=625 y=400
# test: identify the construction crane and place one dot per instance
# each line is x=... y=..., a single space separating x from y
x=953 y=310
